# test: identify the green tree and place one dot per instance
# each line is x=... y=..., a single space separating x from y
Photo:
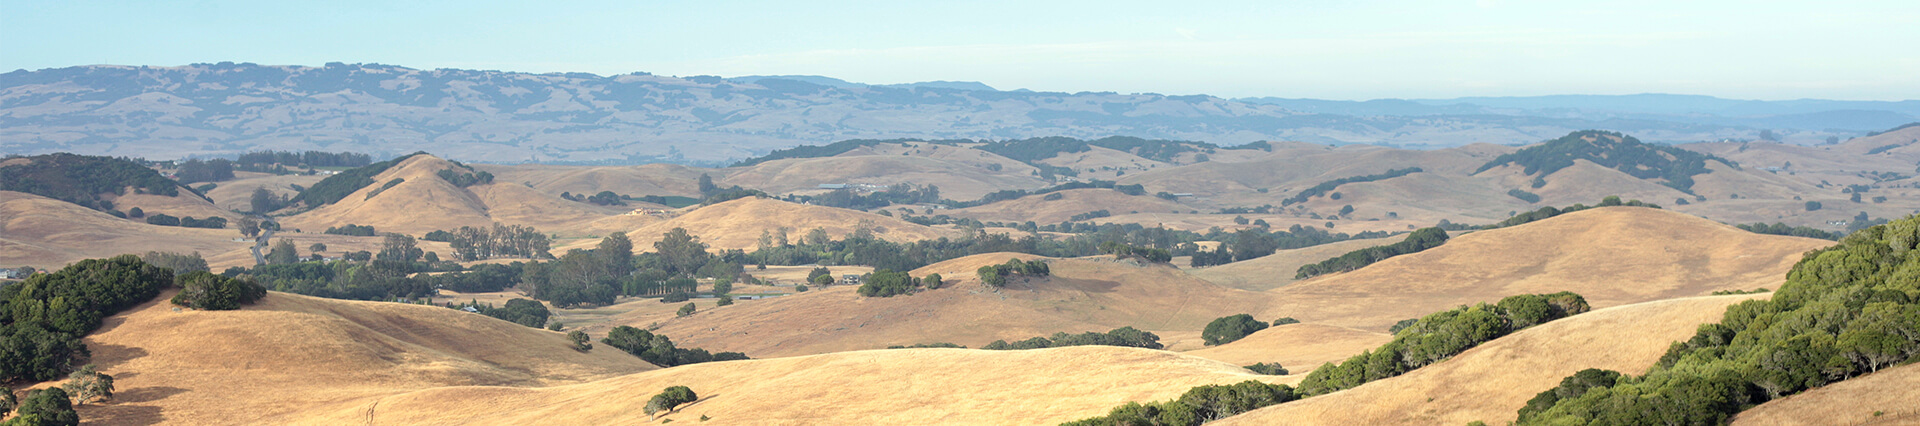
x=249 y=227
x=685 y=310
x=51 y=406
x=7 y=400
x=1227 y=329
x=263 y=201
x=282 y=253
x=682 y=252
x=932 y=281
x=399 y=247
x=86 y=384
x=317 y=247
x=580 y=340
x=670 y=398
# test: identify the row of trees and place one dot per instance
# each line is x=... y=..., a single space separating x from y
x=477 y=243
x=901 y=193
x=1440 y=336
x=659 y=350
x=1123 y=336
x=1198 y=405
x=1419 y=240
x=888 y=283
x=1328 y=186
x=307 y=159
x=1549 y=211
x=1846 y=310
x=1128 y=251
x=1778 y=228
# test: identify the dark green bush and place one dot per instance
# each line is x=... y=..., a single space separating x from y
x=206 y=291
x=1227 y=329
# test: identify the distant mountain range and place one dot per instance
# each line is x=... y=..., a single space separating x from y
x=226 y=108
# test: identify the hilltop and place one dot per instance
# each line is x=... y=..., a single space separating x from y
x=1612 y=256
x=410 y=196
x=288 y=357
x=1492 y=381
x=46 y=233
x=1885 y=397
x=1091 y=294
x=1041 y=386
x=1671 y=166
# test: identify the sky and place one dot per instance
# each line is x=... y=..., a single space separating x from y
x=1353 y=50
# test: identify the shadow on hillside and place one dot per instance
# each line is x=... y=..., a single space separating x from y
x=121 y=414
x=109 y=356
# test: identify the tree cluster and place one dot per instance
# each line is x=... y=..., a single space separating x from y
x=1675 y=166
x=996 y=275
x=205 y=291
x=518 y=311
x=48 y=313
x=1419 y=240
x=1442 y=335
x=888 y=283
x=1123 y=336
x=307 y=159
x=465 y=179
x=196 y=170
x=1523 y=195
x=659 y=350
x=1845 y=311
x=1128 y=251
x=351 y=230
x=179 y=263
x=1227 y=329
x=473 y=243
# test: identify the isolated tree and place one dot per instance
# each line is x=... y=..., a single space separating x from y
x=136 y=213
x=685 y=310
x=399 y=247
x=282 y=252
x=580 y=340
x=317 y=247
x=86 y=384
x=722 y=286
x=932 y=281
x=706 y=185
x=724 y=301
x=670 y=398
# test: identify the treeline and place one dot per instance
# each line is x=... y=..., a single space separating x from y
x=212 y=222
x=1798 y=231
x=1123 y=336
x=903 y=193
x=1198 y=405
x=338 y=186
x=308 y=159
x=1253 y=243
x=1121 y=250
x=659 y=350
x=1419 y=240
x=1549 y=211
x=1612 y=150
x=476 y=243
x=1528 y=197
x=1328 y=186
x=518 y=311
x=387 y=275
x=47 y=314
x=80 y=179
x=1440 y=336
x=1846 y=310
x=196 y=170
x=1009 y=194
x=357 y=231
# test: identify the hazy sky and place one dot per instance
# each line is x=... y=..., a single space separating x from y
x=1752 y=49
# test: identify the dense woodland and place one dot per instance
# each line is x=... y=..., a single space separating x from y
x=80 y=179
x=46 y=315
x=1846 y=310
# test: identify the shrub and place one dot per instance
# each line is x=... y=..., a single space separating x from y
x=1284 y=321
x=1227 y=329
x=1271 y=369
x=580 y=340
x=206 y=291
x=50 y=406
x=685 y=310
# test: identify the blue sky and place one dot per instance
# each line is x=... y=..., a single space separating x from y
x=1754 y=49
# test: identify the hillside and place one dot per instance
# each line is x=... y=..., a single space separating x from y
x=47 y=234
x=1277 y=269
x=1083 y=295
x=288 y=357
x=423 y=202
x=1038 y=208
x=905 y=386
x=1492 y=381
x=737 y=224
x=962 y=173
x=1298 y=347
x=1883 y=398
x=1612 y=256
x=1666 y=165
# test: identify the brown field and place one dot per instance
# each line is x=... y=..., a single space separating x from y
x=1612 y=256
x=1083 y=295
x=288 y=357
x=1492 y=381
x=424 y=202
x=738 y=224
x=911 y=386
x=237 y=194
x=1298 y=347
x=1076 y=201
x=1883 y=398
x=48 y=234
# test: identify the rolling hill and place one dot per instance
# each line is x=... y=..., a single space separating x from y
x=1089 y=294
x=1882 y=398
x=423 y=202
x=288 y=356
x=737 y=224
x=47 y=234
x=1612 y=256
x=911 y=386
x=1492 y=381
x=1298 y=347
